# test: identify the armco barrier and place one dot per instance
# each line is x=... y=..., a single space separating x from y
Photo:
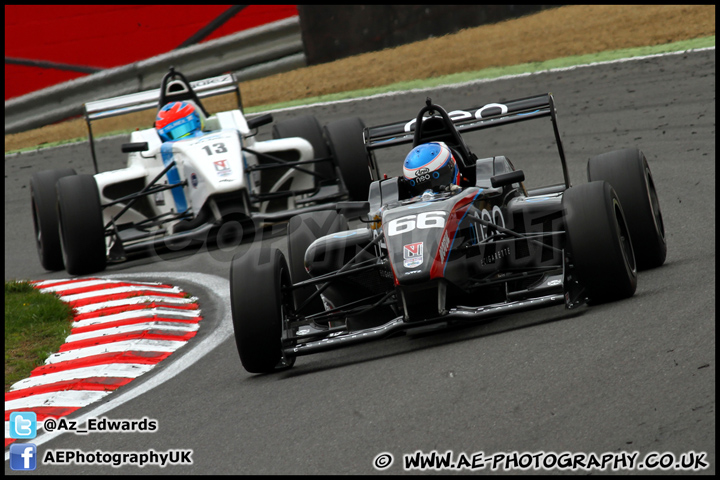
x=273 y=48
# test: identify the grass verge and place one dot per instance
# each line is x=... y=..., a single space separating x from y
x=495 y=72
x=36 y=325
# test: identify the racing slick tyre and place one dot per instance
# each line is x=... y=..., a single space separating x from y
x=303 y=230
x=45 y=221
x=629 y=174
x=259 y=306
x=81 y=225
x=307 y=127
x=599 y=242
x=345 y=138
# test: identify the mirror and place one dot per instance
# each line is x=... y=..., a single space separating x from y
x=507 y=178
x=135 y=147
x=259 y=121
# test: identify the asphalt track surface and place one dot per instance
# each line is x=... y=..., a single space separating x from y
x=631 y=376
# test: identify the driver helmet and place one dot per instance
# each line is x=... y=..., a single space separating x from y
x=430 y=166
x=178 y=120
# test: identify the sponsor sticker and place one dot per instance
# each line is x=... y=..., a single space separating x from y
x=444 y=245
x=413 y=255
x=222 y=168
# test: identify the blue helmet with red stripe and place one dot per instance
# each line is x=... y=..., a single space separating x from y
x=177 y=120
x=429 y=166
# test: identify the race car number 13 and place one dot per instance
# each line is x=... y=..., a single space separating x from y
x=411 y=222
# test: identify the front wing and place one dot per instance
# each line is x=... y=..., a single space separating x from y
x=343 y=339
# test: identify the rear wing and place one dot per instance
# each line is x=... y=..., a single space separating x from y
x=135 y=102
x=472 y=119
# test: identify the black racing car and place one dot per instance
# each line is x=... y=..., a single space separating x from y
x=488 y=248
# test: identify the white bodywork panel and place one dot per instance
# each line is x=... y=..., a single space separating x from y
x=211 y=164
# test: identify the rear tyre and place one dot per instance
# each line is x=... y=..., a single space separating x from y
x=259 y=307
x=303 y=230
x=629 y=174
x=307 y=127
x=345 y=138
x=599 y=242
x=45 y=220
x=81 y=225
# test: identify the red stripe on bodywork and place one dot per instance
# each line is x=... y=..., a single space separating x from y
x=456 y=215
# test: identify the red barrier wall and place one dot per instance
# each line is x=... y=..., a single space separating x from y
x=105 y=36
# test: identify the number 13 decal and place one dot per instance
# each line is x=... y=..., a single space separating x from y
x=411 y=222
x=219 y=148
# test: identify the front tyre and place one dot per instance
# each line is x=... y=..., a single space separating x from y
x=599 y=242
x=81 y=225
x=629 y=174
x=259 y=307
x=45 y=218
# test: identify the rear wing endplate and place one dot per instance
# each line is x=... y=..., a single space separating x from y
x=472 y=119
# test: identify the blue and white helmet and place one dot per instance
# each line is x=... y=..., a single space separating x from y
x=429 y=166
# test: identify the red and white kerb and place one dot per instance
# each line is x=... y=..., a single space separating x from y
x=120 y=331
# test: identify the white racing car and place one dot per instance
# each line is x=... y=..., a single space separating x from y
x=198 y=186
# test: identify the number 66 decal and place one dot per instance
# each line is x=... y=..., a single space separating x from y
x=409 y=222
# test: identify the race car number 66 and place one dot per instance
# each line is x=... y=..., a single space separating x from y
x=408 y=223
